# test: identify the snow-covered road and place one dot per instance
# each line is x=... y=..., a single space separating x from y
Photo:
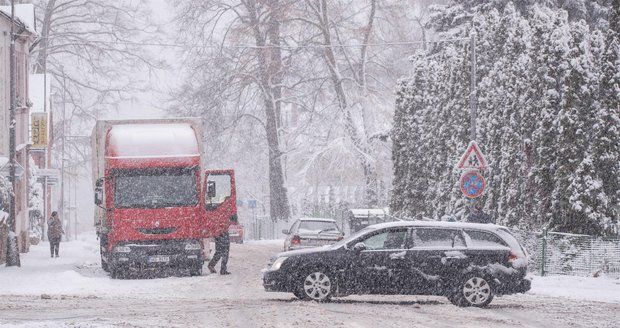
x=72 y=291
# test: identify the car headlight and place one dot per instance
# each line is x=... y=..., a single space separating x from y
x=193 y=247
x=122 y=249
x=278 y=263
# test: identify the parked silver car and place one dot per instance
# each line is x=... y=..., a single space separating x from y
x=311 y=232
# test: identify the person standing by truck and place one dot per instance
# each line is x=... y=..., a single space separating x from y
x=54 y=233
x=222 y=250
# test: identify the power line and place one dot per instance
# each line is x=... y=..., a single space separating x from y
x=246 y=46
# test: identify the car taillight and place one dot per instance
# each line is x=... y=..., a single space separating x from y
x=512 y=256
x=339 y=238
x=296 y=240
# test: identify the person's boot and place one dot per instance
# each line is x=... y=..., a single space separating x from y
x=224 y=273
x=211 y=269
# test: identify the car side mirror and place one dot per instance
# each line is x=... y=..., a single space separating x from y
x=210 y=189
x=285 y=231
x=359 y=247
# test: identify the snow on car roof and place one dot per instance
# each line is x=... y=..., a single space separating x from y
x=442 y=224
x=316 y=219
x=359 y=212
x=152 y=140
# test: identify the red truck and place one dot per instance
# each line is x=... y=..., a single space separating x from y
x=155 y=202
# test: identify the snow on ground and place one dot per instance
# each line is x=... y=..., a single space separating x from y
x=277 y=242
x=581 y=288
x=73 y=291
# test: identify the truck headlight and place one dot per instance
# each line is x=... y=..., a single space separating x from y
x=122 y=249
x=193 y=247
x=278 y=263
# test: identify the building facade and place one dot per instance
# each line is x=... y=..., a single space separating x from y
x=25 y=35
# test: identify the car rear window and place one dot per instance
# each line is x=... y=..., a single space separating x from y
x=317 y=227
x=484 y=239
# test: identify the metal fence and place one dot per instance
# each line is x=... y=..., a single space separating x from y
x=571 y=254
x=263 y=228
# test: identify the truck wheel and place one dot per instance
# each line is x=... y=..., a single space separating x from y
x=117 y=273
x=195 y=271
x=104 y=266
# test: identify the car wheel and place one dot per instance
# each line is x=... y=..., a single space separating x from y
x=474 y=290
x=317 y=285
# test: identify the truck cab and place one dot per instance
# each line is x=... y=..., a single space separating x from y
x=155 y=202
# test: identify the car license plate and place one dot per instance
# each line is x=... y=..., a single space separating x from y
x=159 y=259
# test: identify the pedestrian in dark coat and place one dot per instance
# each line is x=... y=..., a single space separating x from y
x=222 y=249
x=54 y=233
x=477 y=215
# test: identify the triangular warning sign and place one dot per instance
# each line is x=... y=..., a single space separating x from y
x=472 y=158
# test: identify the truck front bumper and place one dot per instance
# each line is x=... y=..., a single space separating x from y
x=154 y=254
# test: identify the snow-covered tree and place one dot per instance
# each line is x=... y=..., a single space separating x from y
x=547 y=115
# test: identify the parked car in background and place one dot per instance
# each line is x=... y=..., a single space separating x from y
x=468 y=263
x=311 y=232
x=235 y=232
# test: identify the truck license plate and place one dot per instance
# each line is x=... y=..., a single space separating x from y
x=159 y=259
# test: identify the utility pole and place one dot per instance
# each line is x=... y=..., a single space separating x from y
x=472 y=95
x=12 y=252
x=62 y=150
x=75 y=213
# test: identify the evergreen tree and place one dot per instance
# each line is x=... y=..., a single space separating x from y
x=548 y=90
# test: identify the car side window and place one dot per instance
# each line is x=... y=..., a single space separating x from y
x=437 y=238
x=389 y=239
x=484 y=239
x=294 y=227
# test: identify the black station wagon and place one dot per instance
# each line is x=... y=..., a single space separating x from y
x=467 y=262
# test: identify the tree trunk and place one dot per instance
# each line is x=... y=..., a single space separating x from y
x=41 y=63
x=357 y=138
x=270 y=71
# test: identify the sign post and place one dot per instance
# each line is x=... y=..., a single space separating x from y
x=472 y=162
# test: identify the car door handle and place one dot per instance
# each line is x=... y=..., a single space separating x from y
x=398 y=256
x=456 y=255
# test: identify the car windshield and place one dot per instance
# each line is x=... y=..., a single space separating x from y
x=155 y=188
x=317 y=226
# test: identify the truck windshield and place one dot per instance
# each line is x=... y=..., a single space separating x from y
x=155 y=188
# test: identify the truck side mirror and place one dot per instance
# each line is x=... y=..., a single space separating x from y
x=99 y=192
x=210 y=189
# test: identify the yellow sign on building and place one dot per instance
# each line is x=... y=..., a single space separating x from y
x=39 y=130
